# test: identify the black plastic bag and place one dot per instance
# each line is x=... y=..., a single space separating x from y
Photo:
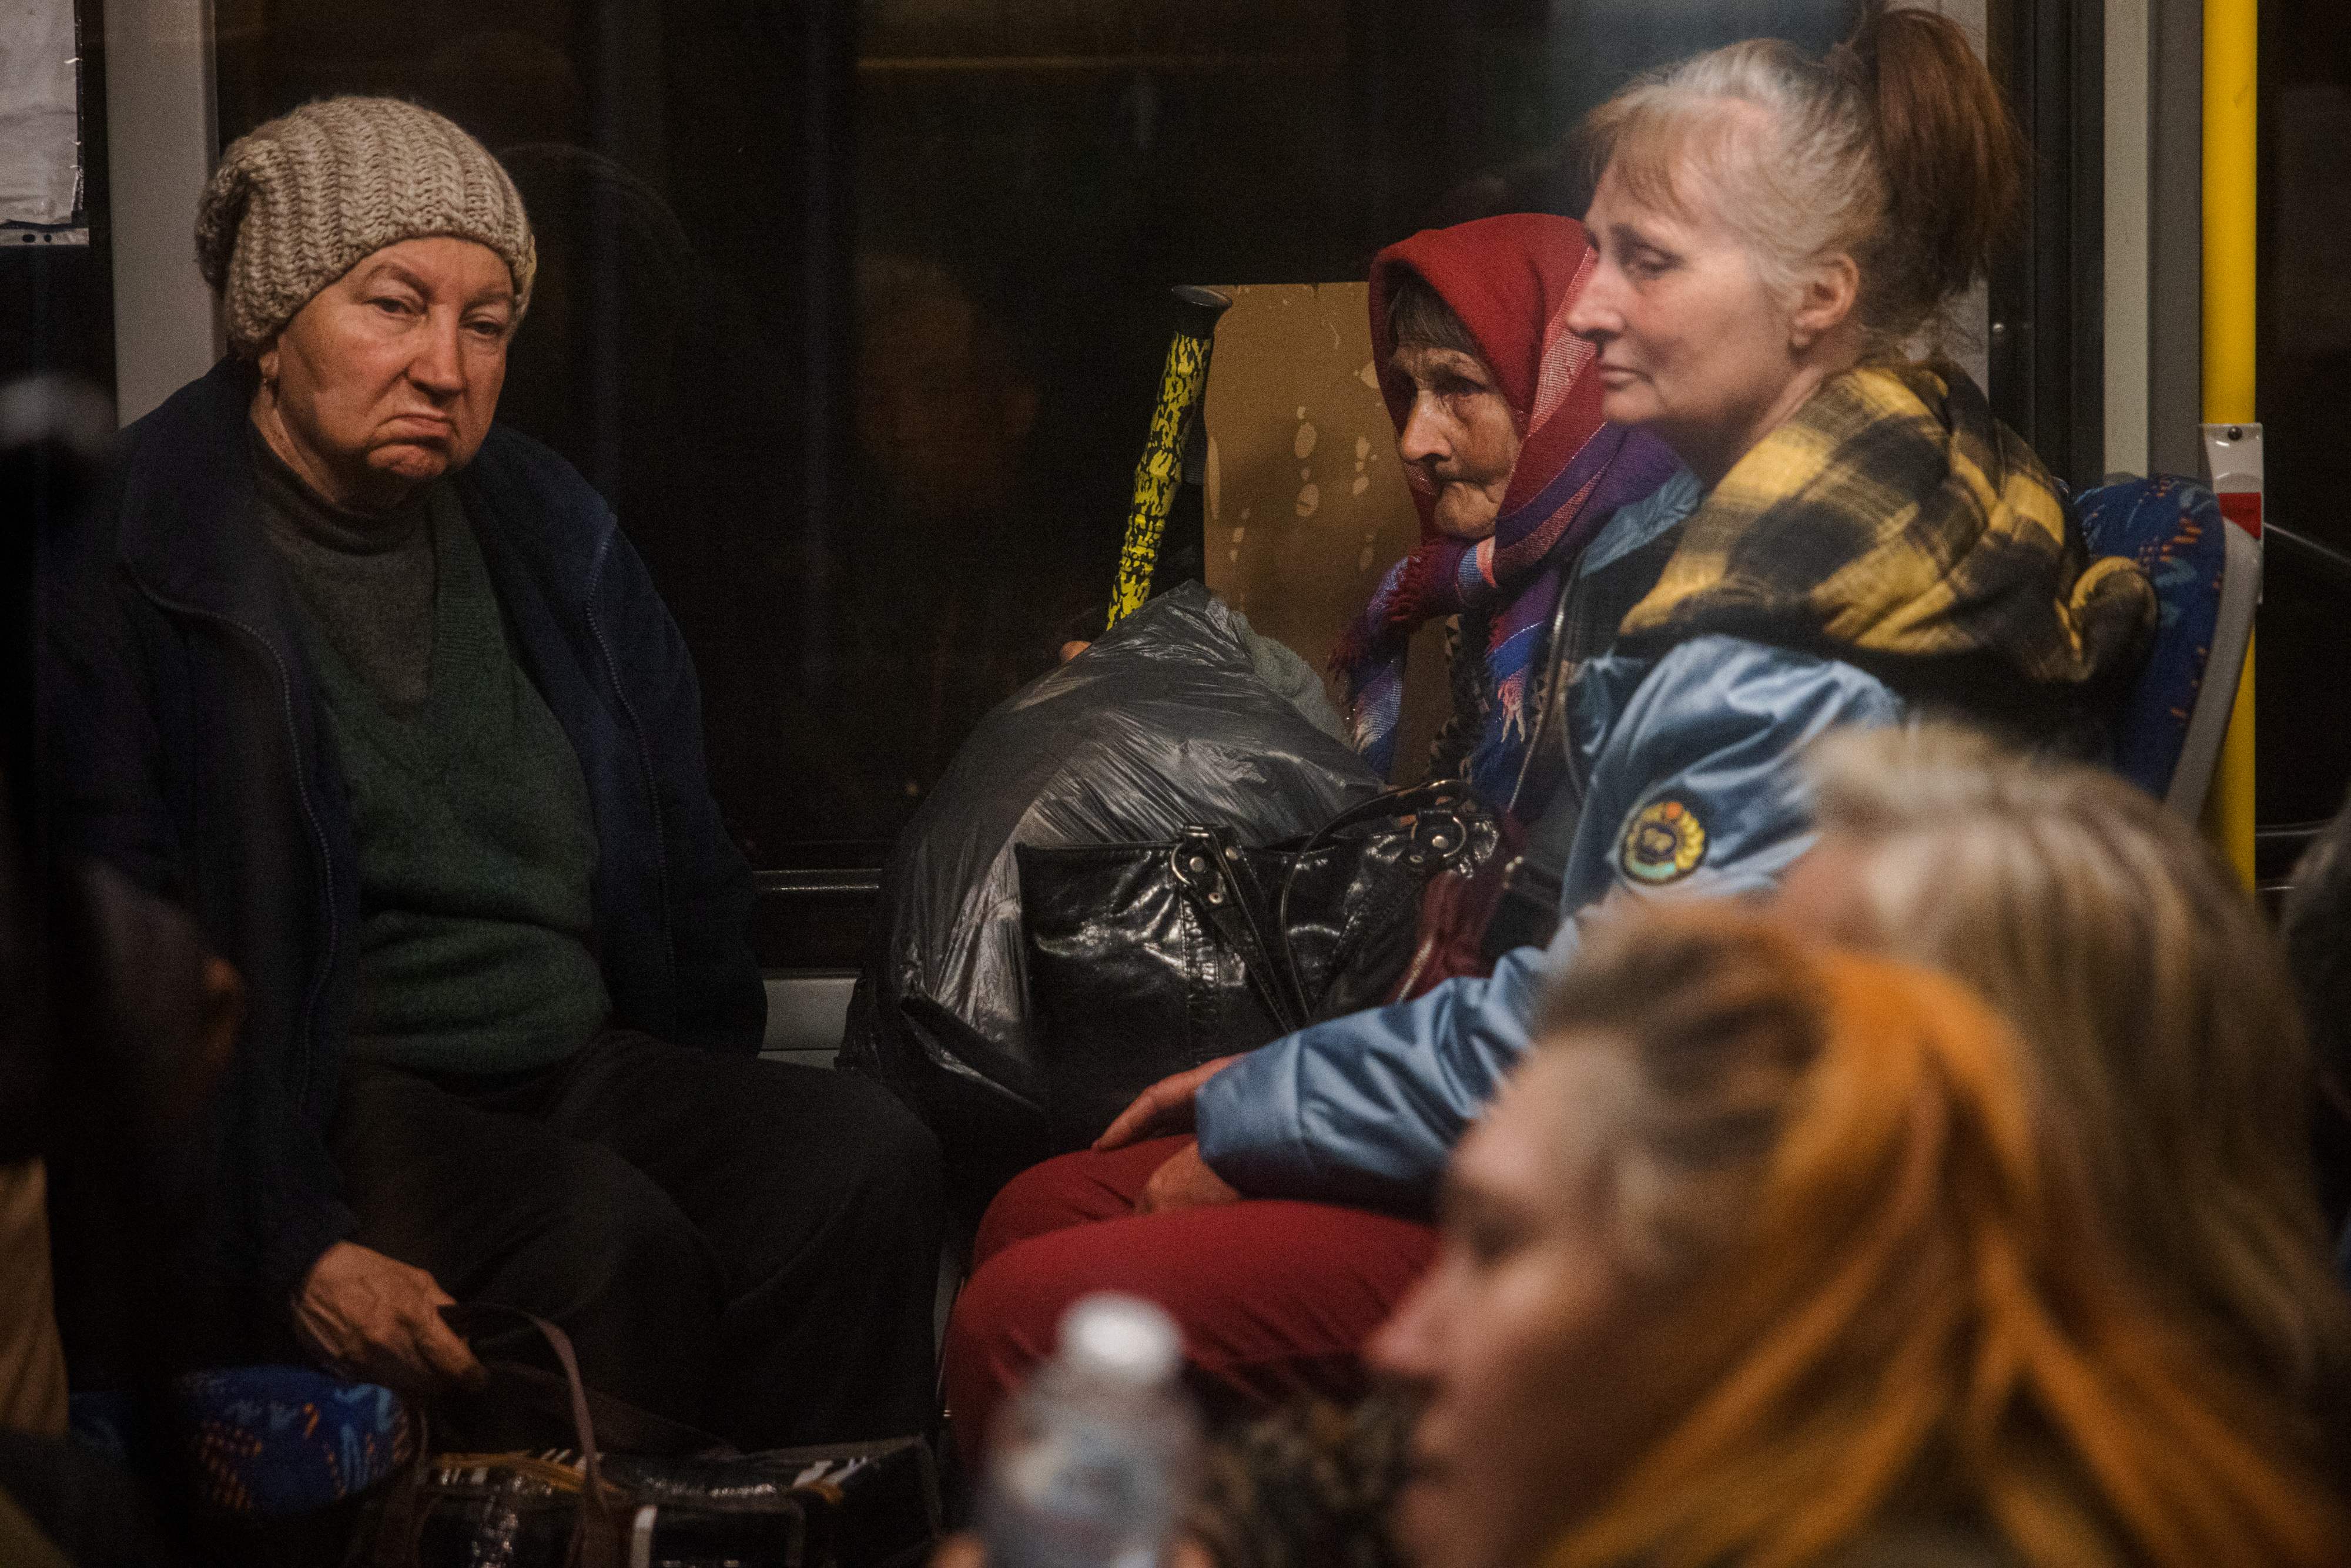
x=1165 y=721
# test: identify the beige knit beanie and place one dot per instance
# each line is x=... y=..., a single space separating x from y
x=302 y=200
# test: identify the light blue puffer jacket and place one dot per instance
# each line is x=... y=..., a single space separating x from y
x=1682 y=764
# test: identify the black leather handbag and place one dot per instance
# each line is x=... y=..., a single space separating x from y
x=680 y=1497
x=1147 y=959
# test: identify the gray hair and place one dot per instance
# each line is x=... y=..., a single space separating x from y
x=1897 y=150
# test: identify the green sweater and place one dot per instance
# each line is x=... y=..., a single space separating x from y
x=476 y=843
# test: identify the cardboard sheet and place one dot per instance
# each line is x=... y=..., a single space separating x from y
x=1306 y=503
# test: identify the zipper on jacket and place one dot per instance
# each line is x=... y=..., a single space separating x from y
x=1553 y=690
x=1575 y=779
x=301 y=793
x=644 y=753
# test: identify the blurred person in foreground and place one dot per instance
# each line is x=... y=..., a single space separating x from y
x=1766 y=1255
x=2159 y=1008
x=1772 y=233
x=380 y=693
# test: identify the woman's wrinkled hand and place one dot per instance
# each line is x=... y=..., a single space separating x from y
x=1183 y=1182
x=377 y=1319
x=1164 y=1107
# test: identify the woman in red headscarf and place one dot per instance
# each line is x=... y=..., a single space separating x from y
x=1498 y=427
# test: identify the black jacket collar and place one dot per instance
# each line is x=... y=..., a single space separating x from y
x=191 y=536
x=189 y=533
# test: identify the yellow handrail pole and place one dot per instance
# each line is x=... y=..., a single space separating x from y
x=2232 y=54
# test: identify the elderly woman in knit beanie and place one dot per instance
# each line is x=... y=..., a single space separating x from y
x=381 y=693
x=343 y=240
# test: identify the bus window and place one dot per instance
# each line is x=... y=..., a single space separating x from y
x=2304 y=726
x=854 y=312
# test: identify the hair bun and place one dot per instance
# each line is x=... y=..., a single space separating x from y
x=1953 y=154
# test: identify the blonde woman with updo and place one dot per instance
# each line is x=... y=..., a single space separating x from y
x=1773 y=235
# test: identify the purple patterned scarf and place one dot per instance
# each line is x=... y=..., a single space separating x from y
x=1517 y=575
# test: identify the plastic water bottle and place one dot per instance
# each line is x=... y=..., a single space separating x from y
x=1094 y=1462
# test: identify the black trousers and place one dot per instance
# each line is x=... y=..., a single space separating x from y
x=748 y=1247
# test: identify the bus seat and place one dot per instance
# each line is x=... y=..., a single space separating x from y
x=808 y=1013
x=2207 y=580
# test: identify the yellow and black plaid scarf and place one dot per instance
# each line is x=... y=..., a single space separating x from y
x=1892 y=515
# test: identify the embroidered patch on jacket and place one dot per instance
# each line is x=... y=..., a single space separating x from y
x=1663 y=843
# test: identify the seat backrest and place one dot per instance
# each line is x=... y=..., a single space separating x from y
x=2206 y=578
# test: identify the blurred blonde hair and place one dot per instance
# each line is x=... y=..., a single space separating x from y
x=2157 y=1005
x=1884 y=1298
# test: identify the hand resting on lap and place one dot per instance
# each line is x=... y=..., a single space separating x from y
x=375 y=1318
x=1164 y=1107
x=1185 y=1181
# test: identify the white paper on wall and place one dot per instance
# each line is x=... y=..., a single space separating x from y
x=40 y=135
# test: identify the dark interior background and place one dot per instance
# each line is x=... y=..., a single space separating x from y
x=2303 y=706
x=855 y=311
x=854 y=308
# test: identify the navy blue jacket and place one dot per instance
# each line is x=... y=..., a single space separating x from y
x=186 y=745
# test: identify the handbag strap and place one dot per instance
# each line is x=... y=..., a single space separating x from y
x=595 y=1539
x=1402 y=801
x=398 y=1535
x=1204 y=863
x=1412 y=799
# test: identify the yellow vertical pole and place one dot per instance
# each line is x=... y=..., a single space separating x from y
x=2232 y=50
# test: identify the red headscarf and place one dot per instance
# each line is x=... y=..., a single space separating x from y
x=1510 y=279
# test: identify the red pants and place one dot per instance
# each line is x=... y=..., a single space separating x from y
x=1274 y=1298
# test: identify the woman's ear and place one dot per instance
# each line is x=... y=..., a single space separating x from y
x=267 y=362
x=1824 y=301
